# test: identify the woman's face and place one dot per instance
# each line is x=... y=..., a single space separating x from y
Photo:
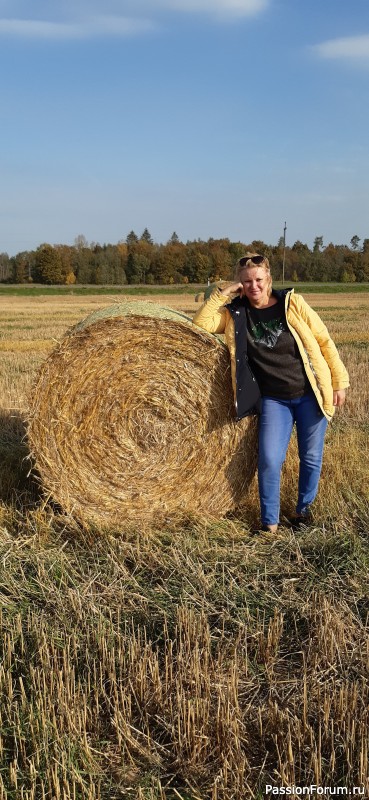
x=255 y=282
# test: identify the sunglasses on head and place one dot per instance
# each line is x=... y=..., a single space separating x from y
x=254 y=259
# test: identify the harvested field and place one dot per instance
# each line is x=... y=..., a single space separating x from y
x=191 y=659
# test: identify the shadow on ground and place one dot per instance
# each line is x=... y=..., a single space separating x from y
x=15 y=463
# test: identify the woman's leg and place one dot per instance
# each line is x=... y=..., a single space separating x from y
x=275 y=428
x=311 y=426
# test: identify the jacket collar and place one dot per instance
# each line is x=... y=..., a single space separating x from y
x=280 y=294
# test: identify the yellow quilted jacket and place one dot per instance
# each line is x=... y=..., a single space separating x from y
x=319 y=354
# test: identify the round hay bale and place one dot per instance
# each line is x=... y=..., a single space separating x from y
x=132 y=419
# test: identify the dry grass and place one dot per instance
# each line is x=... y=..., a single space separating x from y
x=190 y=661
x=194 y=658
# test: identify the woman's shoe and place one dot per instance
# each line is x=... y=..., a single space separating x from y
x=269 y=528
x=300 y=521
x=263 y=529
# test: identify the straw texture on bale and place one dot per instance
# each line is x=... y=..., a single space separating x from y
x=132 y=418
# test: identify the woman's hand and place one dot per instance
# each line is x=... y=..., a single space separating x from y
x=232 y=288
x=339 y=397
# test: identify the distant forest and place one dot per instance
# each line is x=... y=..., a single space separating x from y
x=139 y=260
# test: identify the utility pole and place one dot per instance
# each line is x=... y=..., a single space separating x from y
x=284 y=251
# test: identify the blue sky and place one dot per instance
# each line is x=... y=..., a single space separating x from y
x=204 y=117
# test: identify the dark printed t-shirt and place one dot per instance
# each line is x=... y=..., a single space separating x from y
x=273 y=353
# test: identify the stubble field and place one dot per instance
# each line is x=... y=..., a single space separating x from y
x=195 y=661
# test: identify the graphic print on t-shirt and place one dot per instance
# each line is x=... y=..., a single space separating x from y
x=267 y=333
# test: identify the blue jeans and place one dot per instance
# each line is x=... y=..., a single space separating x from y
x=275 y=428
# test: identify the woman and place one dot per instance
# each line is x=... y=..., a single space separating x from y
x=296 y=366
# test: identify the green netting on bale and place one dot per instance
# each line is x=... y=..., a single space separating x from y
x=132 y=308
x=141 y=308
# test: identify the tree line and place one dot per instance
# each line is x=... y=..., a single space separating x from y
x=139 y=260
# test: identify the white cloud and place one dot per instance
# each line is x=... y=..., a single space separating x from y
x=83 y=20
x=97 y=26
x=353 y=48
x=223 y=7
